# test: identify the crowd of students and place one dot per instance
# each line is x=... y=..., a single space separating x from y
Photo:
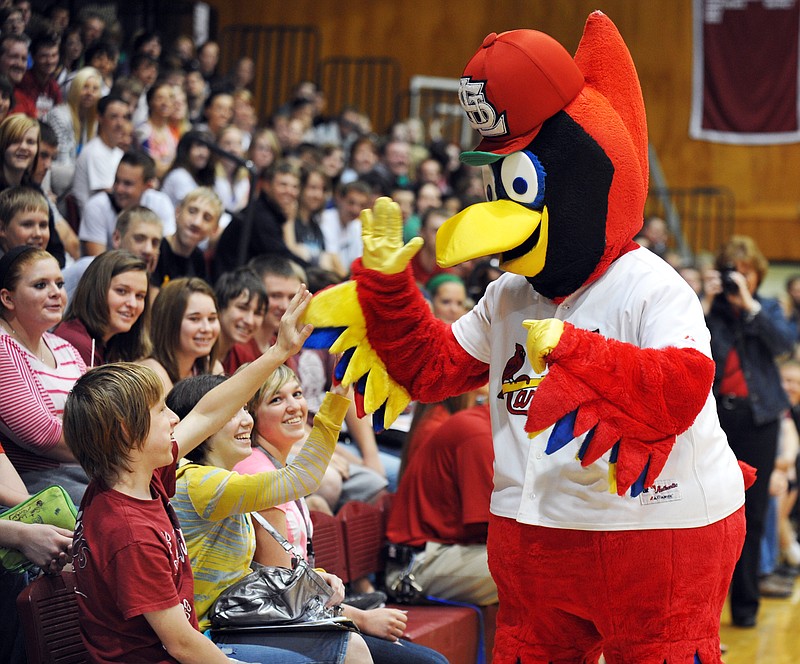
x=156 y=235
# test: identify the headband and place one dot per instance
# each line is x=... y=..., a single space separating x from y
x=442 y=278
x=8 y=260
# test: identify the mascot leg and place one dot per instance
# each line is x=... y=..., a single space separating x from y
x=643 y=597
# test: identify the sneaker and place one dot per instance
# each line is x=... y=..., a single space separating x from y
x=787 y=571
x=776 y=586
x=744 y=621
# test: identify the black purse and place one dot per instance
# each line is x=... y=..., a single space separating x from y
x=274 y=595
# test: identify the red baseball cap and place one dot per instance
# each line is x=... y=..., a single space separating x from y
x=516 y=81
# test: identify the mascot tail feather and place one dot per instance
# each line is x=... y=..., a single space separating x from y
x=748 y=473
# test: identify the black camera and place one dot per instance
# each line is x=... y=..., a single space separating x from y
x=729 y=285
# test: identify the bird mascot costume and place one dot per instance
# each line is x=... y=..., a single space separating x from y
x=617 y=511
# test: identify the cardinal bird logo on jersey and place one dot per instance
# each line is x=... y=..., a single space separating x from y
x=517 y=389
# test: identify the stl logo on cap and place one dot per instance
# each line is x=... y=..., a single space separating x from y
x=514 y=82
x=481 y=114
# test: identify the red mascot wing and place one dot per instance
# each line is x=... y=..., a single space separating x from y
x=419 y=350
x=640 y=398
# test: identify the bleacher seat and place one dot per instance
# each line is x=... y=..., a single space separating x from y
x=328 y=542
x=363 y=530
x=48 y=611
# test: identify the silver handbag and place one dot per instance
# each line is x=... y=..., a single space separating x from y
x=273 y=595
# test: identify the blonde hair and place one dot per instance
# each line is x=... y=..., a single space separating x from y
x=207 y=195
x=12 y=130
x=276 y=380
x=74 y=99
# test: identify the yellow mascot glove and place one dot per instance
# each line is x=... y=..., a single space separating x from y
x=382 y=233
x=543 y=337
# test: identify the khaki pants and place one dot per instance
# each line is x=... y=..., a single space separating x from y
x=451 y=571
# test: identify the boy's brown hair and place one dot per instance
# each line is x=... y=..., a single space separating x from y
x=134 y=214
x=107 y=414
x=20 y=199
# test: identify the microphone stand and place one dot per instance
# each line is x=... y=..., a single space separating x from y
x=249 y=211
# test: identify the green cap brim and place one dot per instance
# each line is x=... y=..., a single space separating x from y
x=480 y=158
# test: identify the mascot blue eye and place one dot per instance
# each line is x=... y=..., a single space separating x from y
x=522 y=177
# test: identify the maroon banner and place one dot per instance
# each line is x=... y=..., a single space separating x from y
x=746 y=66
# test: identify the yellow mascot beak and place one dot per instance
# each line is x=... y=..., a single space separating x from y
x=497 y=227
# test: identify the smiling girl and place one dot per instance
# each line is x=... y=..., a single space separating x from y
x=278 y=416
x=184 y=330
x=19 y=147
x=37 y=371
x=108 y=314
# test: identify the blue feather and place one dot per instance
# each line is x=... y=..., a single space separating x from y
x=638 y=486
x=614 y=453
x=562 y=433
x=586 y=442
x=378 y=418
x=323 y=337
x=342 y=365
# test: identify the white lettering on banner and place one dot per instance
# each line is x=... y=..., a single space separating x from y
x=481 y=114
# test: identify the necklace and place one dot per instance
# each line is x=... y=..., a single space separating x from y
x=39 y=356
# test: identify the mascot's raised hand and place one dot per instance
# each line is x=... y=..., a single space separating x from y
x=382 y=234
x=339 y=323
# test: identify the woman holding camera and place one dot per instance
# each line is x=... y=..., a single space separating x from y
x=748 y=333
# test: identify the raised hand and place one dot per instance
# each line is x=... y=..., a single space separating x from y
x=382 y=233
x=292 y=332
